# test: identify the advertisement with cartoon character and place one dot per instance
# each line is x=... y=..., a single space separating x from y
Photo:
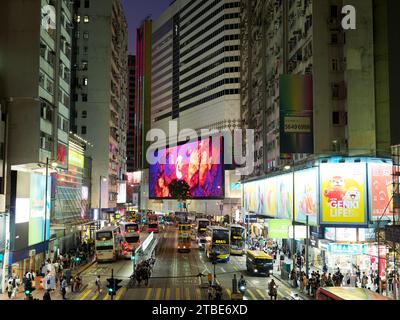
x=343 y=193
x=381 y=186
x=306 y=185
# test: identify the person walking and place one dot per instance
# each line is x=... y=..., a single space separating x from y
x=364 y=281
x=46 y=295
x=98 y=284
x=210 y=292
x=210 y=278
x=10 y=288
x=64 y=288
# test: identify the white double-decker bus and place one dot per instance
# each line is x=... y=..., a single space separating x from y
x=130 y=238
x=108 y=244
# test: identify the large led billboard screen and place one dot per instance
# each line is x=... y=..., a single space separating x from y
x=343 y=194
x=284 y=188
x=199 y=163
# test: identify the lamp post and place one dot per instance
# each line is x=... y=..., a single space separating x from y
x=102 y=178
x=288 y=167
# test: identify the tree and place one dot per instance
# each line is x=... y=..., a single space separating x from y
x=180 y=190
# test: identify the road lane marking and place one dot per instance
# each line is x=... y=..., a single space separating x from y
x=223 y=270
x=148 y=293
x=261 y=294
x=187 y=293
x=95 y=296
x=198 y=294
x=251 y=294
x=167 y=294
x=107 y=296
x=177 y=293
x=229 y=292
x=85 y=294
x=158 y=294
x=120 y=293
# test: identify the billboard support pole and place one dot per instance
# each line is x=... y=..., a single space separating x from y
x=293 y=223
x=307 y=240
x=45 y=201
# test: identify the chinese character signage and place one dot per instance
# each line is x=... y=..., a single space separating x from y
x=350 y=249
x=380 y=188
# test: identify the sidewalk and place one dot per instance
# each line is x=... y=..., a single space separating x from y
x=56 y=294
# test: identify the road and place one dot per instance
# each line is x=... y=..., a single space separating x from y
x=175 y=276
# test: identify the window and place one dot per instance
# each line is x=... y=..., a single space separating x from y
x=85 y=50
x=334 y=38
x=41 y=79
x=86 y=19
x=78 y=3
x=84 y=97
x=49 y=86
x=87 y=3
x=43 y=50
x=75 y=97
x=84 y=114
x=335 y=64
x=84 y=65
x=78 y=18
x=335 y=118
x=335 y=91
x=85 y=81
x=77 y=34
x=83 y=130
x=85 y=35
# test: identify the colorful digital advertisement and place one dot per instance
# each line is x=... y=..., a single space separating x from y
x=343 y=193
x=284 y=188
x=197 y=163
x=270 y=197
x=306 y=193
x=380 y=188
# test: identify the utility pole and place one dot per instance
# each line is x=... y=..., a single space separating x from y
x=112 y=277
x=307 y=240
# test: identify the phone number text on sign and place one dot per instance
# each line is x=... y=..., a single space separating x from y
x=297 y=125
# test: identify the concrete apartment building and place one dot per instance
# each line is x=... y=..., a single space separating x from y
x=130 y=143
x=35 y=68
x=350 y=79
x=100 y=92
x=195 y=76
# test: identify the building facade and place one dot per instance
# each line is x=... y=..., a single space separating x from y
x=307 y=38
x=130 y=141
x=35 y=94
x=101 y=93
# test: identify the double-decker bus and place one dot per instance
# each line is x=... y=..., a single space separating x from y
x=184 y=237
x=237 y=233
x=348 y=293
x=152 y=223
x=217 y=243
x=107 y=244
x=130 y=238
x=201 y=230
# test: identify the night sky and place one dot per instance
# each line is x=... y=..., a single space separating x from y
x=137 y=10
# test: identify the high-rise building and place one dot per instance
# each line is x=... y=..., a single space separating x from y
x=130 y=142
x=195 y=65
x=307 y=38
x=100 y=92
x=142 y=106
x=35 y=96
x=195 y=76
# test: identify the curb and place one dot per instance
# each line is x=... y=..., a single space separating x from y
x=304 y=297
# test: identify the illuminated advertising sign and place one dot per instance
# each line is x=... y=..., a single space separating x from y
x=284 y=188
x=330 y=234
x=249 y=196
x=380 y=189
x=270 y=197
x=346 y=234
x=306 y=188
x=76 y=159
x=121 y=198
x=197 y=163
x=343 y=193
x=300 y=232
x=279 y=228
x=349 y=249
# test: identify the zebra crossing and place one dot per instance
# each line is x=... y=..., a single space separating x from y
x=90 y=293
x=190 y=293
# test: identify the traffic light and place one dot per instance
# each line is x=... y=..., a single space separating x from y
x=113 y=286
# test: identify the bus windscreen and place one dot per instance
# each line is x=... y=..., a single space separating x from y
x=105 y=235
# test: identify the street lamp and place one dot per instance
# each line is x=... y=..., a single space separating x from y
x=287 y=168
x=54 y=165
